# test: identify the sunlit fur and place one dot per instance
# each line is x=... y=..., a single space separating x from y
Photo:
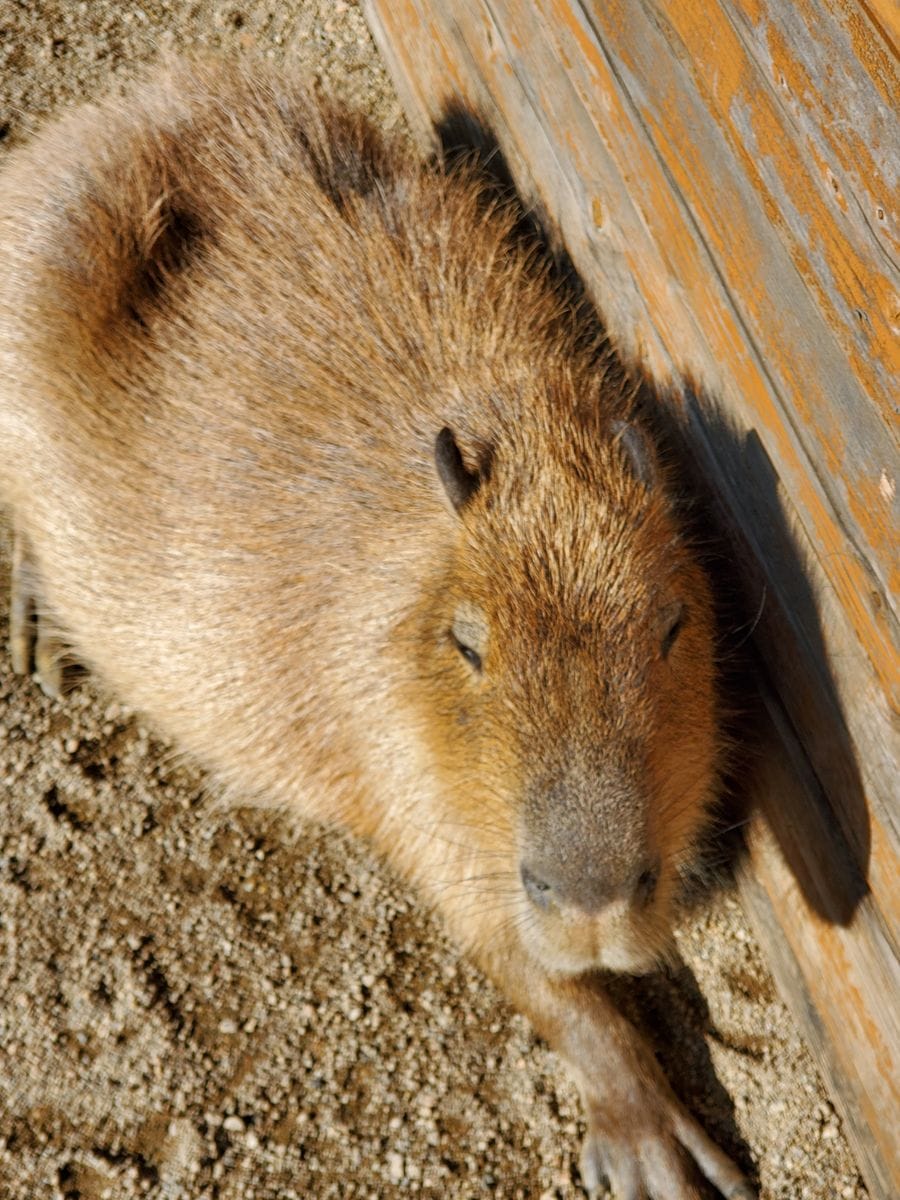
x=572 y=563
x=233 y=321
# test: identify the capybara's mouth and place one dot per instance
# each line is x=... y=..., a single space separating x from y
x=626 y=943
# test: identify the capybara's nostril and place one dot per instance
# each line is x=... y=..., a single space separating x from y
x=537 y=890
x=588 y=890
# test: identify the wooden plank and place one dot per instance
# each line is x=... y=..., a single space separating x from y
x=816 y=139
x=725 y=178
x=842 y=979
x=878 y=16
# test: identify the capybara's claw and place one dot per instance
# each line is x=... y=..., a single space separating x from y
x=49 y=662
x=34 y=645
x=653 y=1150
x=21 y=608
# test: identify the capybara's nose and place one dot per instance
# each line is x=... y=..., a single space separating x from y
x=589 y=892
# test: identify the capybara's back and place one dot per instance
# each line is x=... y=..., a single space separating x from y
x=308 y=458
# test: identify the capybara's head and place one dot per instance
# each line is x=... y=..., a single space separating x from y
x=569 y=653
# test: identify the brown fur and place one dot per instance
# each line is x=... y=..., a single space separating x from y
x=233 y=323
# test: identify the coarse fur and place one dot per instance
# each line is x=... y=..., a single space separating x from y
x=312 y=463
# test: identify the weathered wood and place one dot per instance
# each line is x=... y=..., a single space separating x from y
x=841 y=979
x=724 y=175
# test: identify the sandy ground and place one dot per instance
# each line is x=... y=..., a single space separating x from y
x=200 y=1003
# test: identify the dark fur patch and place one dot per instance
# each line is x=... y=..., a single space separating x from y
x=168 y=253
x=350 y=161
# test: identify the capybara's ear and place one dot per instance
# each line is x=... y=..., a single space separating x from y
x=459 y=482
x=638 y=451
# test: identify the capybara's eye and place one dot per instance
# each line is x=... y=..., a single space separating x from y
x=472 y=657
x=676 y=618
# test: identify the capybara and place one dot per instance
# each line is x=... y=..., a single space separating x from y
x=310 y=458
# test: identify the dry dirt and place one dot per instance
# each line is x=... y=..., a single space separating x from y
x=200 y=1003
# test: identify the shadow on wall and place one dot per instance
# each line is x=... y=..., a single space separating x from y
x=826 y=840
x=787 y=662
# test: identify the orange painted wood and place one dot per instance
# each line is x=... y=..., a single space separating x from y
x=725 y=175
x=841 y=979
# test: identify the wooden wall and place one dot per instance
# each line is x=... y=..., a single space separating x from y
x=724 y=174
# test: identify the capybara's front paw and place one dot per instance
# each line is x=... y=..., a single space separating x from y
x=649 y=1148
